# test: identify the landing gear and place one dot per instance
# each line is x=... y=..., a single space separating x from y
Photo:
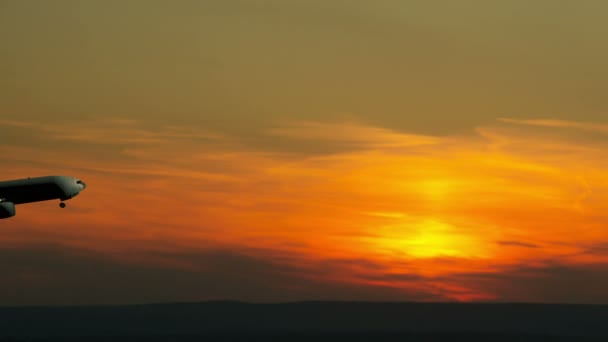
x=61 y=205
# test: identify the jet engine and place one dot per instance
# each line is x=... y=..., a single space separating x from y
x=7 y=209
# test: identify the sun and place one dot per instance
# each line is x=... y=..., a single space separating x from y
x=436 y=239
x=430 y=238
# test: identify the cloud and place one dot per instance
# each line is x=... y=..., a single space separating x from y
x=64 y=276
x=517 y=244
x=599 y=249
x=551 y=283
x=119 y=131
x=352 y=134
x=552 y=123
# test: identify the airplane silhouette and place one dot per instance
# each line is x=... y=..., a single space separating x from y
x=37 y=189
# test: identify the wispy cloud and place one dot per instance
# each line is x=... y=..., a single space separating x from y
x=517 y=244
x=352 y=133
x=552 y=123
x=112 y=131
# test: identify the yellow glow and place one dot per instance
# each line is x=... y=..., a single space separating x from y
x=430 y=239
x=436 y=189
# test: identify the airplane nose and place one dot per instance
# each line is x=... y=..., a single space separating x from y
x=84 y=185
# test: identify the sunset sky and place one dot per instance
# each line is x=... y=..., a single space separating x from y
x=274 y=150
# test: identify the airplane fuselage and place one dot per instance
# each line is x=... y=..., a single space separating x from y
x=38 y=189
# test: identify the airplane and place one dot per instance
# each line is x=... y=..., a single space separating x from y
x=36 y=189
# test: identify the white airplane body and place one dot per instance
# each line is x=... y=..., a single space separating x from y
x=37 y=189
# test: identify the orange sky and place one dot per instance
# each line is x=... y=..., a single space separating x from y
x=423 y=214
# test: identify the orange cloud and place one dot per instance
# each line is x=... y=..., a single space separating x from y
x=423 y=212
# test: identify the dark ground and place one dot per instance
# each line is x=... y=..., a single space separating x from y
x=307 y=321
x=351 y=337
